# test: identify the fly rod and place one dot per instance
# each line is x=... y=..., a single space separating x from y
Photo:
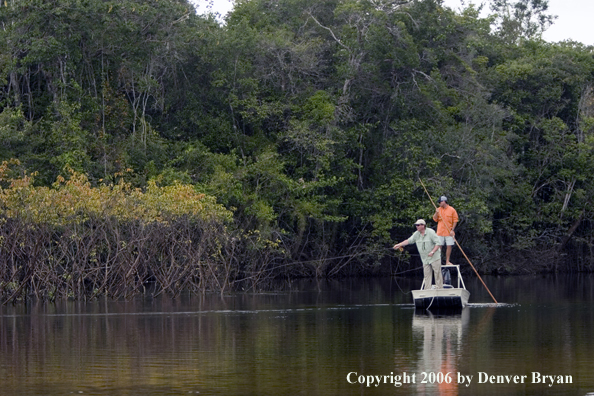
x=457 y=244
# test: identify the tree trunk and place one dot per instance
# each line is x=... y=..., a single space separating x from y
x=571 y=231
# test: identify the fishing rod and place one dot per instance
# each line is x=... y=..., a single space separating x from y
x=457 y=244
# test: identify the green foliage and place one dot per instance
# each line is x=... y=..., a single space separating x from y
x=522 y=19
x=310 y=121
x=14 y=129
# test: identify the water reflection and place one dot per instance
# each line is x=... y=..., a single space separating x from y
x=305 y=341
x=441 y=335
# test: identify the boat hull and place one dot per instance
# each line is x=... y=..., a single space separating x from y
x=441 y=298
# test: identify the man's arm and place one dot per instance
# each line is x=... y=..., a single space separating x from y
x=454 y=221
x=400 y=245
x=436 y=215
x=435 y=249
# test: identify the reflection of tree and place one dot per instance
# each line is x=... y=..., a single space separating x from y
x=442 y=342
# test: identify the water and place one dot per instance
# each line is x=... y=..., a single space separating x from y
x=315 y=338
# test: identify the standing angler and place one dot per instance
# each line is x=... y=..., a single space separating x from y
x=429 y=248
x=447 y=219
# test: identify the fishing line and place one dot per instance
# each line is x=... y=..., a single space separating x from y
x=323 y=259
x=431 y=303
x=409 y=270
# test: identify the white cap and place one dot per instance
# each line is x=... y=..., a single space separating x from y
x=420 y=221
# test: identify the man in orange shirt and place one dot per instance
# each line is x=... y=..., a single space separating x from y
x=447 y=219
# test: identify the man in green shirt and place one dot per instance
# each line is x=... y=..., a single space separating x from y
x=429 y=248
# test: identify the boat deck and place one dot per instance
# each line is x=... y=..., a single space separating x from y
x=448 y=297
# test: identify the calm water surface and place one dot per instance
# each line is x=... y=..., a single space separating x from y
x=315 y=339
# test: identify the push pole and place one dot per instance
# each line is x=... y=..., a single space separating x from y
x=459 y=247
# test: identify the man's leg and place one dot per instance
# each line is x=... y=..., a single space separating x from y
x=427 y=271
x=437 y=272
x=448 y=253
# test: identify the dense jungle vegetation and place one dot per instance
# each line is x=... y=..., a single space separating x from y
x=145 y=145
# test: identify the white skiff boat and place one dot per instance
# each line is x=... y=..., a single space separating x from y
x=452 y=295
